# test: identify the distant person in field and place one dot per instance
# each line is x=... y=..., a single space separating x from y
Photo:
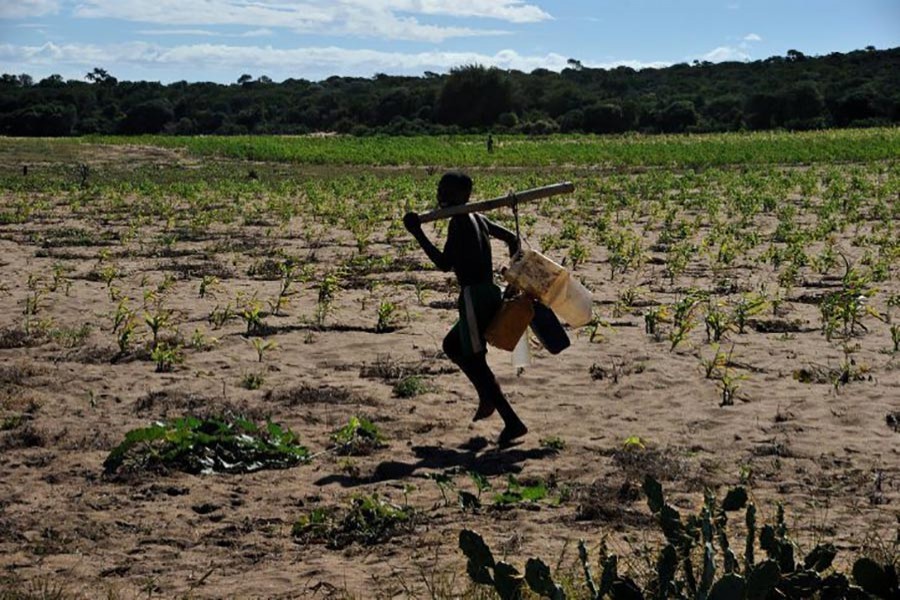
x=490 y=143
x=467 y=253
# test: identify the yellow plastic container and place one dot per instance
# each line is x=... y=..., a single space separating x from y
x=537 y=275
x=510 y=323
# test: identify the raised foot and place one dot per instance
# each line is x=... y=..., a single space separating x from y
x=510 y=434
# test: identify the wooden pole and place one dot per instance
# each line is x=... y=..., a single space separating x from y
x=565 y=187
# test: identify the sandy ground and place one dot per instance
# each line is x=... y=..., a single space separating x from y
x=829 y=456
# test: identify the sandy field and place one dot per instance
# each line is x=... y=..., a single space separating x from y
x=829 y=452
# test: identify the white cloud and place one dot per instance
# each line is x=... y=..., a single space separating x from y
x=725 y=54
x=207 y=33
x=312 y=62
x=23 y=9
x=513 y=11
x=752 y=37
x=390 y=19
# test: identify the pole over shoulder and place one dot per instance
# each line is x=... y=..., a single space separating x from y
x=546 y=191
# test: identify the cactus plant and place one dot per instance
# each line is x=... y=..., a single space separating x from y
x=778 y=575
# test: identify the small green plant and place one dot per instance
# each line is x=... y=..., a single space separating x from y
x=359 y=437
x=262 y=346
x=328 y=289
x=219 y=316
x=156 y=322
x=166 y=356
x=578 y=253
x=107 y=274
x=683 y=319
x=202 y=342
x=713 y=366
x=125 y=334
x=411 y=386
x=444 y=481
x=717 y=322
x=253 y=381
x=516 y=493
x=746 y=307
x=895 y=336
x=596 y=328
x=252 y=316
x=35 y=296
x=285 y=291
x=553 y=443
x=652 y=319
x=387 y=315
x=208 y=285
x=60 y=279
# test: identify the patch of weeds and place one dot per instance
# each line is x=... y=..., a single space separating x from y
x=23 y=436
x=524 y=492
x=226 y=444
x=367 y=520
x=411 y=386
x=11 y=422
x=70 y=337
x=553 y=443
x=610 y=503
x=308 y=394
x=359 y=437
x=387 y=368
x=18 y=337
x=638 y=458
x=166 y=400
x=253 y=381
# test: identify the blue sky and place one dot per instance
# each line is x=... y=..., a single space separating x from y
x=218 y=40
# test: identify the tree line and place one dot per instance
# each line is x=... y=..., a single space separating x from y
x=854 y=89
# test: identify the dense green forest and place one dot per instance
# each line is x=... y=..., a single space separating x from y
x=860 y=88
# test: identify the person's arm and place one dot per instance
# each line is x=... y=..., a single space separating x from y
x=442 y=260
x=503 y=234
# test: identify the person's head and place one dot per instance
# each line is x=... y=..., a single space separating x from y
x=454 y=189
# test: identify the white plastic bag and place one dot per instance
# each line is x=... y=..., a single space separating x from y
x=521 y=354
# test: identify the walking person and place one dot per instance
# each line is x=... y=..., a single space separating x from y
x=467 y=252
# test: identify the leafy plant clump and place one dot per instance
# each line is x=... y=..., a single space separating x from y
x=367 y=520
x=225 y=444
x=411 y=386
x=359 y=437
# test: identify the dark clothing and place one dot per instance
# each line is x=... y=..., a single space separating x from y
x=478 y=305
x=468 y=249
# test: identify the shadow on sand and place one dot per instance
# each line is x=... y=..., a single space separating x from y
x=494 y=461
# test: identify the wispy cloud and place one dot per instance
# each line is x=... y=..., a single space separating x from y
x=725 y=54
x=389 y=19
x=752 y=37
x=25 y=9
x=309 y=62
x=264 y=32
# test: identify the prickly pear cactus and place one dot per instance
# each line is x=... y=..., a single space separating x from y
x=537 y=575
x=877 y=580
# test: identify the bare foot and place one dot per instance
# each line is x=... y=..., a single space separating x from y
x=484 y=411
x=510 y=433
